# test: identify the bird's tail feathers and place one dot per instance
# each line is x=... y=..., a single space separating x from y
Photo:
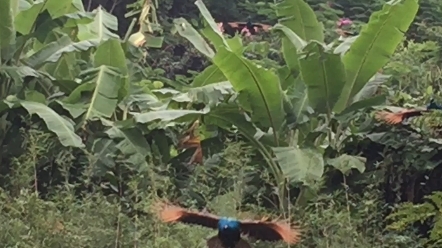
x=215 y=242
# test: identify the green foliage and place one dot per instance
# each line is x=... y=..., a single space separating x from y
x=408 y=214
x=308 y=167
x=59 y=220
x=298 y=17
x=92 y=125
x=309 y=56
x=6 y=27
x=324 y=87
x=378 y=40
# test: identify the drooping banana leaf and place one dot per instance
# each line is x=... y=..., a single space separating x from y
x=299 y=17
x=324 y=75
x=372 y=49
x=259 y=89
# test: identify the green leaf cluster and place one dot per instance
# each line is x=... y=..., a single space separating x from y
x=295 y=113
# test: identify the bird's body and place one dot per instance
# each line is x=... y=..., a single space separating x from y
x=245 y=28
x=216 y=242
x=433 y=105
x=401 y=114
x=230 y=230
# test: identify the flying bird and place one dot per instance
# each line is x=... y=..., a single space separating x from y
x=229 y=229
x=245 y=28
x=402 y=114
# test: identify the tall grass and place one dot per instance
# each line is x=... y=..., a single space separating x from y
x=68 y=217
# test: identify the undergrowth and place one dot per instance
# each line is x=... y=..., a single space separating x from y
x=67 y=218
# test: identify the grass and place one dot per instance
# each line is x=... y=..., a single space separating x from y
x=67 y=218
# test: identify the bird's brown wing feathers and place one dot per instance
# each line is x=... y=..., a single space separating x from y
x=396 y=118
x=170 y=213
x=241 y=25
x=271 y=231
x=262 y=26
x=214 y=242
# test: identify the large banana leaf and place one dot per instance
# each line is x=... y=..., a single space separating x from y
x=62 y=127
x=7 y=31
x=131 y=144
x=27 y=15
x=116 y=59
x=186 y=30
x=18 y=73
x=48 y=30
x=104 y=84
x=52 y=52
x=293 y=38
x=74 y=109
x=259 y=88
x=143 y=102
x=324 y=75
x=104 y=150
x=298 y=165
x=345 y=163
x=78 y=5
x=371 y=87
x=101 y=28
x=300 y=18
x=111 y=53
x=211 y=95
x=66 y=68
x=169 y=115
x=366 y=96
x=212 y=32
x=211 y=74
x=376 y=43
x=297 y=95
x=57 y=8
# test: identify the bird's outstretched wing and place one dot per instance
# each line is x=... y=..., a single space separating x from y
x=397 y=117
x=271 y=231
x=215 y=242
x=257 y=26
x=240 y=26
x=170 y=213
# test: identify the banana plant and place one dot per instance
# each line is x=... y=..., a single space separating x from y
x=335 y=82
x=55 y=64
x=317 y=80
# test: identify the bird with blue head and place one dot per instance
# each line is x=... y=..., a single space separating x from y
x=229 y=229
x=400 y=114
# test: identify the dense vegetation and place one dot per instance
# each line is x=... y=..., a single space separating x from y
x=104 y=110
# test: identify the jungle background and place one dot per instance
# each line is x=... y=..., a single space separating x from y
x=106 y=110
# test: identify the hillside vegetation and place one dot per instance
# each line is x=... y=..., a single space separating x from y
x=107 y=107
